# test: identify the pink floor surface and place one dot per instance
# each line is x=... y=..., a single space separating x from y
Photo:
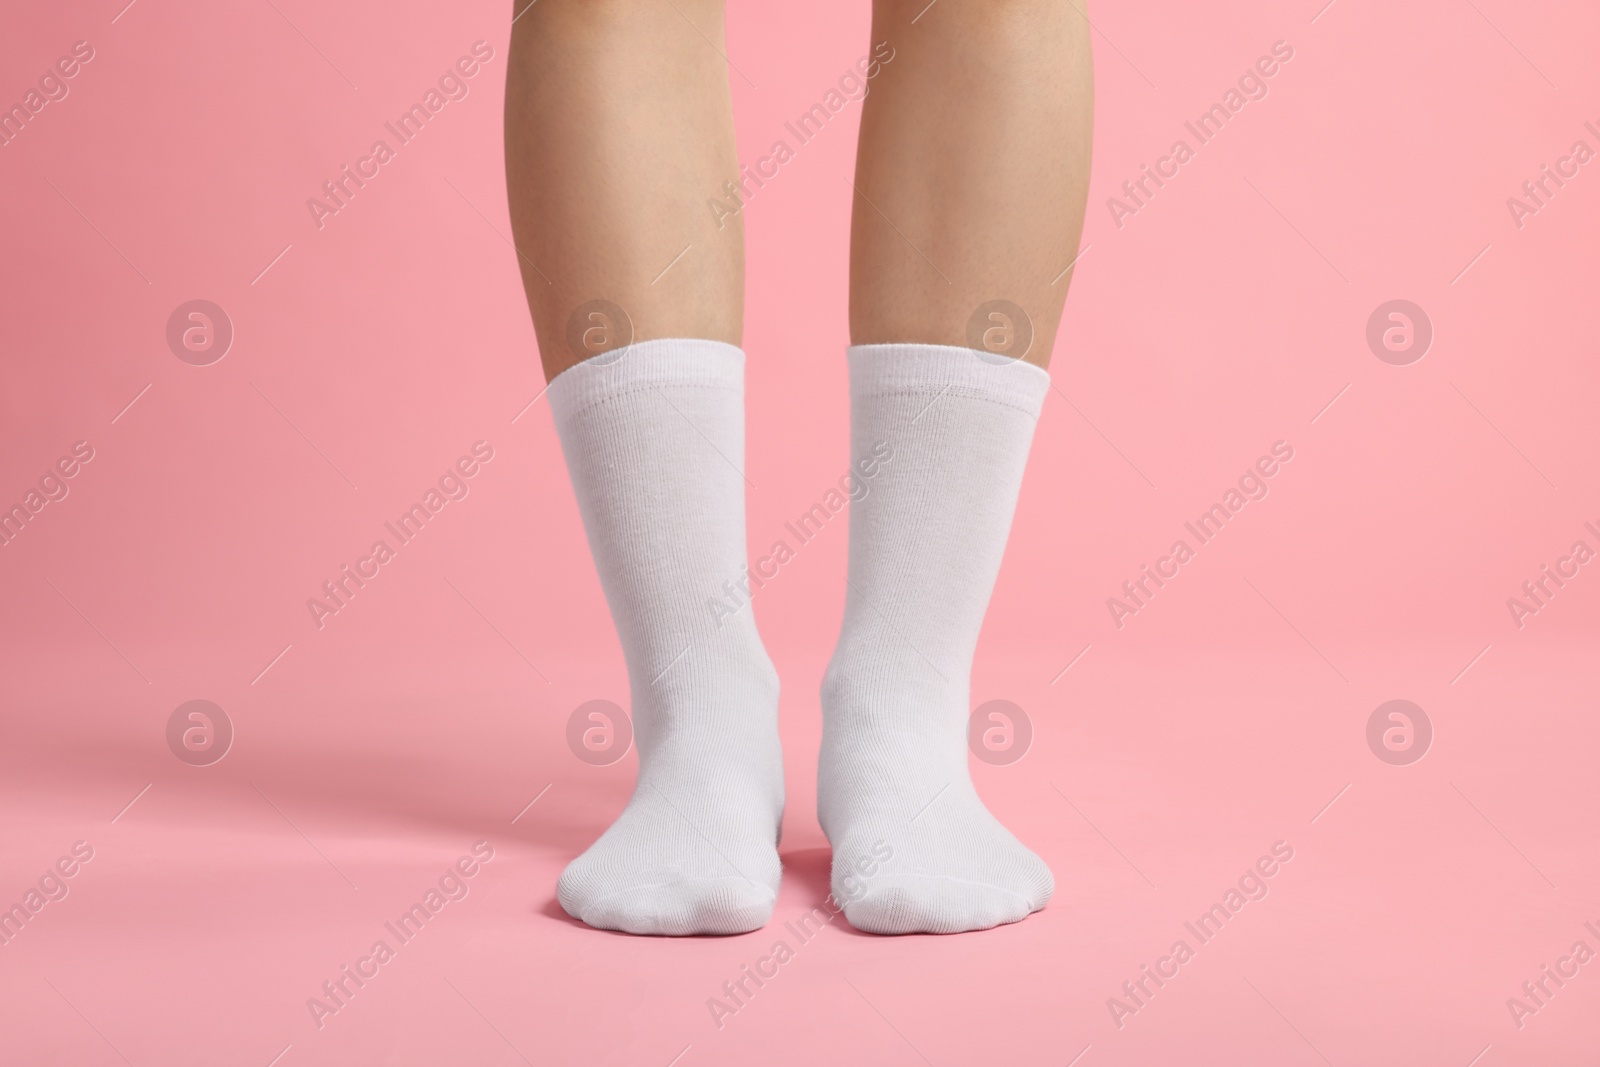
x=1173 y=747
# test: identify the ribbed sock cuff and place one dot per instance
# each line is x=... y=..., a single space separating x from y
x=914 y=369
x=643 y=366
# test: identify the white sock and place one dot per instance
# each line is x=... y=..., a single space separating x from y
x=654 y=440
x=914 y=849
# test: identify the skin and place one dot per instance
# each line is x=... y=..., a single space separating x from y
x=618 y=127
x=971 y=173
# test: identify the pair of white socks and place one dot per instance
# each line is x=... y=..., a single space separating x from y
x=654 y=439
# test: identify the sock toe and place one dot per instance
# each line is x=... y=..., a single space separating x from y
x=676 y=907
x=937 y=904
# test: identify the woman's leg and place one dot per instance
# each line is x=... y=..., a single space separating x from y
x=971 y=179
x=972 y=170
x=618 y=130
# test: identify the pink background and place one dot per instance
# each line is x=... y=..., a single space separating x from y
x=1225 y=716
